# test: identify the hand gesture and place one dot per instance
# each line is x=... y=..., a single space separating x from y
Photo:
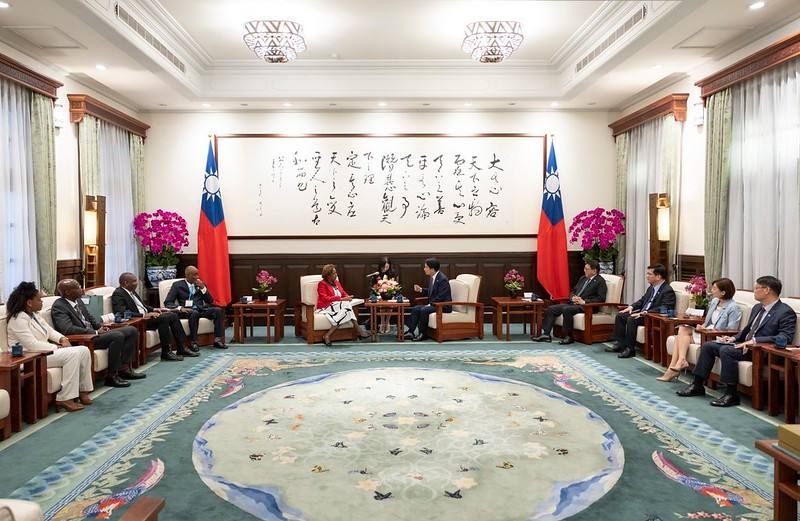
x=347 y=298
x=200 y=284
x=627 y=309
x=417 y=288
x=64 y=342
x=104 y=329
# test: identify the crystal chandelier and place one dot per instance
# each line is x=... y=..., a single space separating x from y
x=276 y=41
x=492 y=42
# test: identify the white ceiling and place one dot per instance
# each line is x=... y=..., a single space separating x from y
x=405 y=53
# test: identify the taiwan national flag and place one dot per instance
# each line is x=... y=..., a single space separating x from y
x=551 y=257
x=212 y=237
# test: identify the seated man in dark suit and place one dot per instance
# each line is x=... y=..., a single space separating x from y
x=167 y=323
x=769 y=319
x=70 y=317
x=659 y=294
x=590 y=288
x=438 y=290
x=192 y=298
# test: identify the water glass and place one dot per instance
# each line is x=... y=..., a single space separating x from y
x=16 y=349
x=781 y=341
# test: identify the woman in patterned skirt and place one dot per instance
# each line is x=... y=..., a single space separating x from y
x=334 y=302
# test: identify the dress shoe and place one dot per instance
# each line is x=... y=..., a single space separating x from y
x=169 y=356
x=616 y=349
x=130 y=374
x=692 y=390
x=327 y=341
x=627 y=353
x=363 y=335
x=726 y=400
x=408 y=336
x=566 y=341
x=542 y=338
x=116 y=381
x=68 y=406
x=188 y=353
x=419 y=338
x=220 y=345
x=84 y=399
x=194 y=347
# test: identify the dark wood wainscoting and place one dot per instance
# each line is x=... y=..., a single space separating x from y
x=691 y=265
x=353 y=268
x=68 y=269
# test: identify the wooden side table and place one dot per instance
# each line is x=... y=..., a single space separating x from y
x=273 y=313
x=787 y=471
x=657 y=328
x=780 y=363
x=504 y=307
x=387 y=308
x=25 y=379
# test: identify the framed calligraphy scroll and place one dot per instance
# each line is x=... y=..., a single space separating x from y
x=362 y=185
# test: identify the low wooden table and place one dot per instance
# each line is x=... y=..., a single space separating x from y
x=504 y=307
x=780 y=362
x=657 y=328
x=273 y=312
x=141 y=326
x=386 y=308
x=25 y=379
x=787 y=471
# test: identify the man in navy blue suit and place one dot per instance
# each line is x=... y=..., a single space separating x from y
x=438 y=290
x=769 y=319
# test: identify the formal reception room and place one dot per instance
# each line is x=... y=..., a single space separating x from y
x=399 y=260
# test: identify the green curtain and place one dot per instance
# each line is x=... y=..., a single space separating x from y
x=44 y=188
x=671 y=138
x=137 y=183
x=718 y=174
x=89 y=155
x=623 y=144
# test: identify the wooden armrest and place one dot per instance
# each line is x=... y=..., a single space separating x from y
x=601 y=304
x=144 y=509
x=711 y=334
x=83 y=339
x=453 y=303
x=420 y=300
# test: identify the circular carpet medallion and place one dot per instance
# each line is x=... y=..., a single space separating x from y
x=408 y=443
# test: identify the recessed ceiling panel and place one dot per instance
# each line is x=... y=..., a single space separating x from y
x=45 y=36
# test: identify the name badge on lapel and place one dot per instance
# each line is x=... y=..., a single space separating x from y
x=188 y=304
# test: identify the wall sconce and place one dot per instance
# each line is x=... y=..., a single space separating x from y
x=662 y=221
x=94 y=240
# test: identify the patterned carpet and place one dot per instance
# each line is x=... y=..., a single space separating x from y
x=401 y=433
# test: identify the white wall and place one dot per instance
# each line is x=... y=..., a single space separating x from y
x=66 y=145
x=693 y=146
x=176 y=146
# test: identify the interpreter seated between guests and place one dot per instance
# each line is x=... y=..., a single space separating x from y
x=27 y=327
x=70 y=317
x=166 y=322
x=659 y=295
x=190 y=297
x=590 y=288
x=438 y=290
x=769 y=320
x=334 y=302
x=385 y=271
x=723 y=314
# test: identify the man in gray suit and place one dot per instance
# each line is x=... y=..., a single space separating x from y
x=769 y=319
x=70 y=317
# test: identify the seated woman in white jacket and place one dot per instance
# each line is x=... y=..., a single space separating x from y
x=27 y=327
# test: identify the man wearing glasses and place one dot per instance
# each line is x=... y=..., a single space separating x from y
x=771 y=321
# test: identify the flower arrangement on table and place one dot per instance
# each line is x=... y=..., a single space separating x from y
x=162 y=235
x=386 y=287
x=514 y=282
x=265 y=282
x=597 y=232
x=698 y=289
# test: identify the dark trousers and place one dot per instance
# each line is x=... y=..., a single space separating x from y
x=212 y=313
x=567 y=310
x=169 y=327
x=418 y=318
x=121 y=344
x=625 y=329
x=728 y=355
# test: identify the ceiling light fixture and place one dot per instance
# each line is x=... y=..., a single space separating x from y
x=287 y=104
x=468 y=104
x=4 y=5
x=492 y=42
x=100 y=67
x=206 y=105
x=381 y=103
x=275 y=41
x=554 y=104
x=757 y=5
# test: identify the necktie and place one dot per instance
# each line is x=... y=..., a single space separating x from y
x=191 y=291
x=756 y=324
x=650 y=301
x=584 y=287
x=430 y=286
x=80 y=314
x=138 y=302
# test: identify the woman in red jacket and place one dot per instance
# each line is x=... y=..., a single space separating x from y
x=334 y=302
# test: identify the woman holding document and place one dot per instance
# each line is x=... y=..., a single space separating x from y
x=334 y=302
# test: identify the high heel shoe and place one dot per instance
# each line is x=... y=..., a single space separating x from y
x=68 y=406
x=327 y=341
x=84 y=399
x=680 y=367
x=669 y=375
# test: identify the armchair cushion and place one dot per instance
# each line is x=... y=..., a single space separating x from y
x=308 y=289
x=18 y=510
x=5 y=404
x=54 y=377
